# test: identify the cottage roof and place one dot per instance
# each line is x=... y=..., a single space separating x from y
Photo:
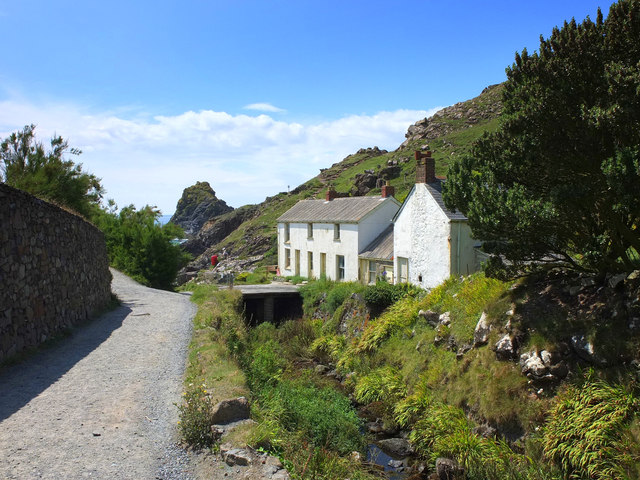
x=348 y=209
x=382 y=247
x=435 y=189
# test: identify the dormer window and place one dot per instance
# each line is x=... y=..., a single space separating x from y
x=309 y=230
x=287 y=232
x=336 y=231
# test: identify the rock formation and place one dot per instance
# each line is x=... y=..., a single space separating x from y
x=197 y=205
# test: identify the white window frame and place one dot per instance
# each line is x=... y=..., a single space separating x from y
x=340 y=268
x=287 y=258
x=287 y=233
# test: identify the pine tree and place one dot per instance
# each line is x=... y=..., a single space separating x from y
x=559 y=182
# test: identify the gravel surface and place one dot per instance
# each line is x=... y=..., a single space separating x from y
x=100 y=404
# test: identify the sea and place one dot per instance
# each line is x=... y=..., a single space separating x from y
x=164 y=219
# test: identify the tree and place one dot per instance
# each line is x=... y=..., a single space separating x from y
x=25 y=164
x=139 y=246
x=558 y=183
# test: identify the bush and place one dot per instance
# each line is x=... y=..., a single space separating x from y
x=383 y=294
x=195 y=417
x=587 y=431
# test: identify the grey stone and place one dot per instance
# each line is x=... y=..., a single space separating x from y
x=506 y=348
x=532 y=365
x=430 y=316
x=396 y=447
x=481 y=332
x=448 y=469
x=445 y=319
x=585 y=350
x=321 y=369
x=616 y=280
x=229 y=411
x=238 y=456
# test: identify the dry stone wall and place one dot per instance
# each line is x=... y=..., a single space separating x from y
x=54 y=271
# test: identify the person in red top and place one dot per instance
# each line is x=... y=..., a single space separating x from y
x=214 y=260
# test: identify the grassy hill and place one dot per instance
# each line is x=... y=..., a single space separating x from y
x=449 y=133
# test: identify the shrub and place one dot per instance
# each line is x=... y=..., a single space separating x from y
x=586 y=430
x=383 y=294
x=195 y=417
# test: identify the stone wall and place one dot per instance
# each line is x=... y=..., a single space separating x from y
x=54 y=271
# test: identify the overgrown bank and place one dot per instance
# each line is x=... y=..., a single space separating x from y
x=489 y=374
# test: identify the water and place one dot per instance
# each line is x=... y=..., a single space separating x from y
x=163 y=219
x=377 y=456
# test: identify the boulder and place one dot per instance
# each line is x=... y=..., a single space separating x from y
x=543 y=366
x=616 y=280
x=481 y=333
x=506 y=348
x=430 y=316
x=448 y=469
x=238 y=456
x=445 y=319
x=532 y=365
x=396 y=447
x=229 y=411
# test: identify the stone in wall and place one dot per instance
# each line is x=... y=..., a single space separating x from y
x=54 y=271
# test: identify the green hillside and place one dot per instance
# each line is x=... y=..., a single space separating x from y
x=449 y=133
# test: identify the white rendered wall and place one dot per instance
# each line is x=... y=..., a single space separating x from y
x=322 y=242
x=422 y=234
x=376 y=221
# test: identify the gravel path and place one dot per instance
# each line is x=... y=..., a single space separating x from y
x=99 y=404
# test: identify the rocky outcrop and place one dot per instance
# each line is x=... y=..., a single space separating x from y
x=217 y=229
x=484 y=107
x=197 y=205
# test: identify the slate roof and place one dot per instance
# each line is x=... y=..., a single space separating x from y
x=435 y=189
x=347 y=210
x=382 y=247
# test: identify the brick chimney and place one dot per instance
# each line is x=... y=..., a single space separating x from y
x=388 y=190
x=425 y=167
x=331 y=194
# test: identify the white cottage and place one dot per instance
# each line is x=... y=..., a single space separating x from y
x=325 y=237
x=431 y=242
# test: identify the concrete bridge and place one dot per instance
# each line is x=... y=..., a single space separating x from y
x=274 y=302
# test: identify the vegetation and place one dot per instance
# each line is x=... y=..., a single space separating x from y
x=301 y=418
x=136 y=243
x=142 y=248
x=556 y=183
x=589 y=433
x=28 y=166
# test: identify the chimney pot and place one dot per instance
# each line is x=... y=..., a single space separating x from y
x=388 y=190
x=425 y=167
x=331 y=194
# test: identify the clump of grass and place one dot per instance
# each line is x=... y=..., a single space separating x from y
x=399 y=316
x=296 y=279
x=588 y=432
x=383 y=384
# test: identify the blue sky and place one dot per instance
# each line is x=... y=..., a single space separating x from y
x=252 y=96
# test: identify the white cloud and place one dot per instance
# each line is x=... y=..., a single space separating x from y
x=150 y=160
x=264 y=107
